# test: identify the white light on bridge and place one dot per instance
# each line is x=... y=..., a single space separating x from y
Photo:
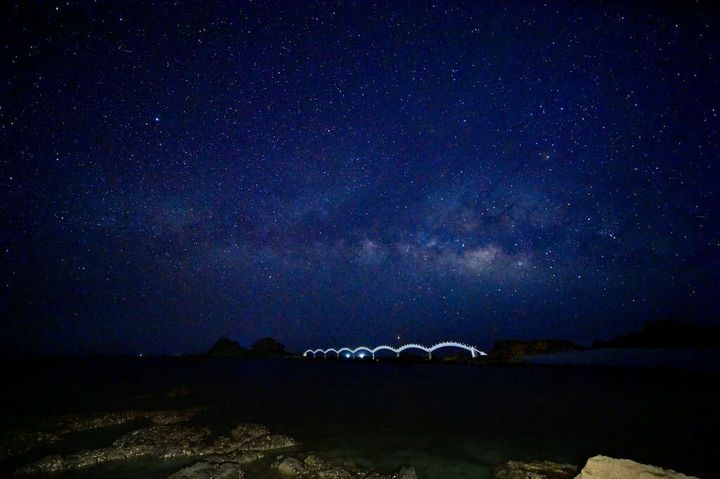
x=362 y=351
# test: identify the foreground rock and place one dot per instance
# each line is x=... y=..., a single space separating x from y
x=315 y=467
x=218 y=457
x=252 y=437
x=535 y=470
x=247 y=443
x=164 y=442
x=603 y=467
x=210 y=470
x=86 y=422
x=52 y=430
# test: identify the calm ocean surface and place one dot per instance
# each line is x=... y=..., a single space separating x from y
x=449 y=421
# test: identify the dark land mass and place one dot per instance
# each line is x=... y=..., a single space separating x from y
x=268 y=347
x=262 y=348
x=512 y=349
x=662 y=334
x=225 y=347
x=667 y=334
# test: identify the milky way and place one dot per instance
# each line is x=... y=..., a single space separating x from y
x=331 y=172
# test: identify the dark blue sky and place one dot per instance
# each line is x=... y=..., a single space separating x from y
x=351 y=172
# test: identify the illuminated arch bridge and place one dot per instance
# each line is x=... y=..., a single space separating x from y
x=362 y=351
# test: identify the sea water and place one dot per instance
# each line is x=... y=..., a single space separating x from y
x=449 y=421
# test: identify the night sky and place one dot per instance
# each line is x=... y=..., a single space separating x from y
x=334 y=173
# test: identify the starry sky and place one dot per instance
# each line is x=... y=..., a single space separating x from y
x=354 y=172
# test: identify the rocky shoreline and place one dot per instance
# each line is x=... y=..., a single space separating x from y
x=597 y=467
x=167 y=434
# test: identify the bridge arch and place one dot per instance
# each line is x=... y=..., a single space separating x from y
x=363 y=348
x=413 y=346
x=383 y=347
x=474 y=352
x=452 y=344
x=314 y=352
x=342 y=350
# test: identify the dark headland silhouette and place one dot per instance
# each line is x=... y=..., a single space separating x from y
x=660 y=334
x=262 y=348
x=512 y=349
x=667 y=334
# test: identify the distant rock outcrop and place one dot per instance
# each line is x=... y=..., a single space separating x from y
x=667 y=334
x=225 y=347
x=603 y=467
x=262 y=348
x=512 y=349
x=267 y=347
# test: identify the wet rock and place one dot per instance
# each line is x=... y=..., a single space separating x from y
x=406 y=473
x=254 y=437
x=248 y=442
x=315 y=467
x=52 y=430
x=249 y=431
x=290 y=466
x=57 y=463
x=173 y=417
x=86 y=422
x=165 y=441
x=237 y=455
x=603 y=467
x=535 y=470
x=312 y=467
x=210 y=470
x=324 y=469
x=403 y=473
x=52 y=463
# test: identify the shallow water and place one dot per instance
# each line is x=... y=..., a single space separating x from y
x=449 y=421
